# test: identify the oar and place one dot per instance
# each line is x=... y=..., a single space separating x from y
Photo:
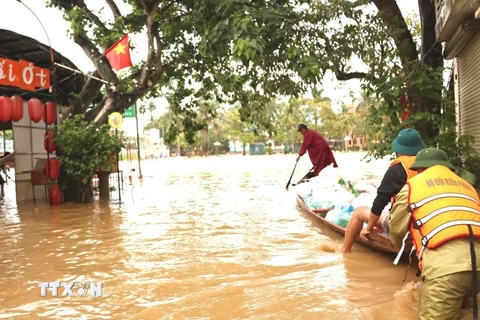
x=303 y=179
x=290 y=180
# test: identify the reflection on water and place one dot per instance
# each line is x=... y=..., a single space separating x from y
x=203 y=238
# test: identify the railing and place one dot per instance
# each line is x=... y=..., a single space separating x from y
x=113 y=181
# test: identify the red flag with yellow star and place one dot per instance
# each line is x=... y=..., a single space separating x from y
x=119 y=54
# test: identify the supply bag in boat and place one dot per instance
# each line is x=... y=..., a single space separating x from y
x=314 y=204
x=340 y=215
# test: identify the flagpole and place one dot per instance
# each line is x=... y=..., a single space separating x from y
x=118 y=157
x=138 y=144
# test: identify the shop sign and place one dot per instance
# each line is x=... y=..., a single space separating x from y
x=23 y=74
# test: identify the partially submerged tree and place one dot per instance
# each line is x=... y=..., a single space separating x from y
x=197 y=49
x=251 y=51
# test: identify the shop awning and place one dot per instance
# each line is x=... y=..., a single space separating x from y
x=19 y=47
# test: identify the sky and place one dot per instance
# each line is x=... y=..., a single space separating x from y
x=20 y=19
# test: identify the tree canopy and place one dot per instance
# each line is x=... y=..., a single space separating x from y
x=250 y=52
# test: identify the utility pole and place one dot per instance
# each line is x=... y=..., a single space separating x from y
x=138 y=144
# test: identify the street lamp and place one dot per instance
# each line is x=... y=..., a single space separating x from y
x=216 y=144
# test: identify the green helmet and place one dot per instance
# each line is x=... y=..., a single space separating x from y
x=430 y=157
x=408 y=142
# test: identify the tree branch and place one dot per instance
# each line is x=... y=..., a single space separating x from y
x=159 y=65
x=150 y=5
x=88 y=94
x=100 y=61
x=145 y=80
x=165 y=8
x=113 y=6
x=342 y=76
x=113 y=102
x=339 y=71
x=91 y=16
x=398 y=30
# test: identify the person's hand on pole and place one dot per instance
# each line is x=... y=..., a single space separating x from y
x=298 y=158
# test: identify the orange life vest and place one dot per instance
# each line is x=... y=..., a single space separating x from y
x=442 y=206
x=406 y=162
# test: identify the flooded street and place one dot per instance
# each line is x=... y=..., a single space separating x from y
x=200 y=238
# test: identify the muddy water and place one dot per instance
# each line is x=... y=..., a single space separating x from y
x=215 y=238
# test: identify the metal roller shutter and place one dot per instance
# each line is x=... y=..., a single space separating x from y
x=468 y=64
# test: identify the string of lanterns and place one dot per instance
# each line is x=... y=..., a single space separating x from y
x=11 y=109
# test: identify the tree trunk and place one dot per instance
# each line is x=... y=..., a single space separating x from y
x=431 y=55
x=84 y=192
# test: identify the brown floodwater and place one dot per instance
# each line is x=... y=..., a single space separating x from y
x=199 y=238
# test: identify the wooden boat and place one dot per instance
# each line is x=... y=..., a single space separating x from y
x=378 y=240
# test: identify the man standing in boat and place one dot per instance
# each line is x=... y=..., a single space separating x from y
x=406 y=145
x=441 y=213
x=318 y=150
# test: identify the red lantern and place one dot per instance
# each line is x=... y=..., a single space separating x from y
x=54 y=195
x=35 y=110
x=5 y=109
x=49 y=112
x=52 y=167
x=17 y=108
x=48 y=143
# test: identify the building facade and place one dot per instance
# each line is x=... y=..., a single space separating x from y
x=458 y=26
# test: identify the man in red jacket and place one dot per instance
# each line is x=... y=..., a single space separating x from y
x=318 y=150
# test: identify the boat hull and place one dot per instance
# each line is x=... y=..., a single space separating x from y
x=378 y=240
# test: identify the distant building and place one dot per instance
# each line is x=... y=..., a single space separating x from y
x=150 y=144
x=351 y=139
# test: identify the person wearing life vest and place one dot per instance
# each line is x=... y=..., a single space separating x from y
x=406 y=145
x=441 y=213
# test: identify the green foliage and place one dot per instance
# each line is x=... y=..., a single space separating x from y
x=251 y=52
x=228 y=51
x=460 y=150
x=8 y=134
x=85 y=147
x=236 y=130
